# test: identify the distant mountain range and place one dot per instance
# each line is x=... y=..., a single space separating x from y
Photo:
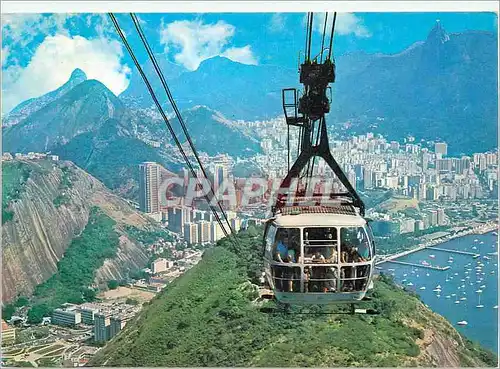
x=83 y=121
x=238 y=91
x=29 y=106
x=442 y=87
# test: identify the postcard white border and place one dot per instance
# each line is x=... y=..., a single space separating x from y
x=245 y=6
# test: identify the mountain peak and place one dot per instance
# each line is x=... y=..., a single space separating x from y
x=78 y=74
x=216 y=62
x=438 y=34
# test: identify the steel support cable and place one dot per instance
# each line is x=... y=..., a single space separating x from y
x=160 y=109
x=115 y=22
x=323 y=38
x=310 y=36
x=307 y=36
x=331 y=36
x=288 y=146
x=316 y=144
x=176 y=110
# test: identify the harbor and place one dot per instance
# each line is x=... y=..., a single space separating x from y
x=478 y=229
x=466 y=292
x=419 y=265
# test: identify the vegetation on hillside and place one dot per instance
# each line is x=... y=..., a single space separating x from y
x=64 y=186
x=14 y=176
x=147 y=236
x=76 y=270
x=211 y=317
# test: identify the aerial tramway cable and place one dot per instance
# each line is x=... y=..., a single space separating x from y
x=323 y=38
x=176 y=110
x=160 y=109
x=331 y=36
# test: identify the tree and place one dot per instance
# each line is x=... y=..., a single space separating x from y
x=37 y=312
x=113 y=284
x=22 y=301
x=7 y=311
x=131 y=301
x=89 y=294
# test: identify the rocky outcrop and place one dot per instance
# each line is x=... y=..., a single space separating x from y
x=38 y=235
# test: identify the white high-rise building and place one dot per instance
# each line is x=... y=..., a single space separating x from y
x=203 y=232
x=191 y=233
x=149 y=183
x=215 y=232
x=441 y=148
x=236 y=224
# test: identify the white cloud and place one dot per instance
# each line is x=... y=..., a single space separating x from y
x=54 y=60
x=21 y=29
x=193 y=41
x=5 y=54
x=277 y=23
x=345 y=24
x=241 y=54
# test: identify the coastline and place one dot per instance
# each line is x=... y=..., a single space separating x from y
x=479 y=229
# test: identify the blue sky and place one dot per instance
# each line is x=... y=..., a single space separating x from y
x=39 y=51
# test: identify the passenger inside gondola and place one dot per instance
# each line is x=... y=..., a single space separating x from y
x=281 y=248
x=320 y=245
x=331 y=280
x=318 y=258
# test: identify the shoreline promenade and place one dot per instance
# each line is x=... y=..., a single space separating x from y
x=481 y=229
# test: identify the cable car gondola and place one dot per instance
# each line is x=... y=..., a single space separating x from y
x=316 y=251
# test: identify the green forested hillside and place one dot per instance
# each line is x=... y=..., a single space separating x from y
x=210 y=317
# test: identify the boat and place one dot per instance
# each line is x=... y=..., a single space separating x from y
x=422 y=288
x=456 y=274
x=450 y=261
x=437 y=290
x=425 y=263
x=404 y=275
x=474 y=248
x=453 y=294
x=448 y=296
x=390 y=270
x=479 y=306
x=457 y=302
x=482 y=287
x=438 y=286
x=409 y=284
x=493 y=253
x=495 y=307
x=462 y=322
x=438 y=295
x=462 y=280
x=481 y=242
x=495 y=234
x=432 y=256
x=486 y=257
x=463 y=298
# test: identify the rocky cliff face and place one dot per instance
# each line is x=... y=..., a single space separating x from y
x=41 y=229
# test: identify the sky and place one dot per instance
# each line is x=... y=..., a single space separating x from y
x=39 y=51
